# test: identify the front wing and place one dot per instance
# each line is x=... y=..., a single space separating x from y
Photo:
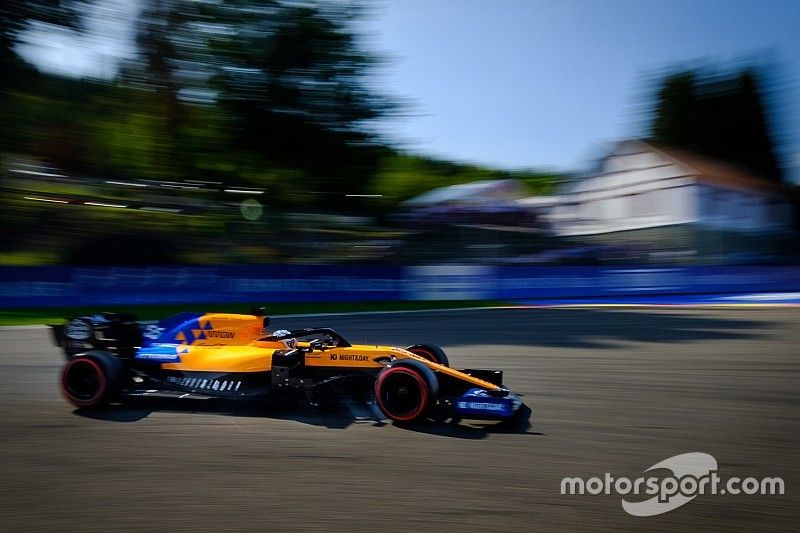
x=478 y=403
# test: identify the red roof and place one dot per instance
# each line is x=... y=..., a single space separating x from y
x=716 y=172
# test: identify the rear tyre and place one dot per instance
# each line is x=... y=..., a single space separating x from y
x=430 y=352
x=91 y=380
x=403 y=393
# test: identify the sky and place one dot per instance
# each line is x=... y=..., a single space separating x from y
x=529 y=83
x=95 y=52
x=519 y=83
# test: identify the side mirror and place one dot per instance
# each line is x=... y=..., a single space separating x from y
x=260 y=311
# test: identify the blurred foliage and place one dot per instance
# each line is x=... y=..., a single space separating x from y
x=294 y=85
x=273 y=94
x=15 y=16
x=402 y=176
x=720 y=115
x=218 y=90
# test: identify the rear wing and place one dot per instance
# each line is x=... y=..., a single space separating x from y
x=118 y=333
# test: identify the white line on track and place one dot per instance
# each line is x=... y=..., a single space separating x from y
x=399 y=312
x=336 y=314
x=490 y=308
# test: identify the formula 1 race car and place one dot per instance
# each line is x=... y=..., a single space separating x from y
x=112 y=355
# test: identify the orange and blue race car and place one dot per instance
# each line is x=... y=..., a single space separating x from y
x=112 y=355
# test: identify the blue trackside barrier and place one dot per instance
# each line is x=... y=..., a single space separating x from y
x=76 y=286
x=513 y=283
x=22 y=287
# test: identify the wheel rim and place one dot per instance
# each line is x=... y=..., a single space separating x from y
x=83 y=381
x=403 y=394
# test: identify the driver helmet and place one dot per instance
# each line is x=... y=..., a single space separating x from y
x=285 y=336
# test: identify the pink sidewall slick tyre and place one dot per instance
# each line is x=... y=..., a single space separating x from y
x=90 y=380
x=403 y=394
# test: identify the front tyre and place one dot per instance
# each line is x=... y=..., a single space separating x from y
x=403 y=393
x=92 y=379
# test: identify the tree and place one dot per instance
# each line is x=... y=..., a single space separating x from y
x=293 y=81
x=676 y=117
x=284 y=83
x=719 y=116
x=159 y=29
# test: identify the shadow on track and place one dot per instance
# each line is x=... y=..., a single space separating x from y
x=520 y=425
x=338 y=415
x=571 y=328
x=335 y=416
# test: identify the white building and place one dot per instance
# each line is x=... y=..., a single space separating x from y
x=637 y=186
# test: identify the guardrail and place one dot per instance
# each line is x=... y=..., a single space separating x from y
x=75 y=286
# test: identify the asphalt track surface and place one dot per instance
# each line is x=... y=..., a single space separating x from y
x=612 y=390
